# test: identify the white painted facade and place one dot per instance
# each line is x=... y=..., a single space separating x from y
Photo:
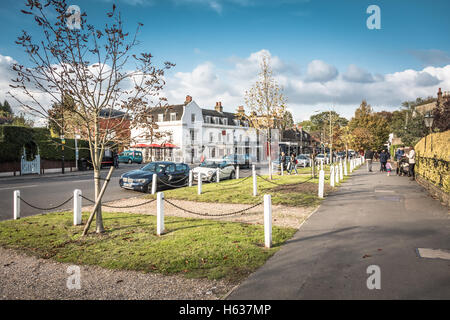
x=197 y=134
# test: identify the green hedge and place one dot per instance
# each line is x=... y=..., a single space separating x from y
x=14 y=138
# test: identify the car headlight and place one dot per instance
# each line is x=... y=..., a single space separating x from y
x=141 y=180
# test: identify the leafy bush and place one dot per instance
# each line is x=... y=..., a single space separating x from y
x=433 y=156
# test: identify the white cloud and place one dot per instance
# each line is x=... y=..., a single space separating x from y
x=320 y=88
x=207 y=84
x=320 y=71
x=356 y=74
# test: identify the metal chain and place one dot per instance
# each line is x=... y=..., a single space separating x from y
x=45 y=209
x=120 y=207
x=173 y=185
x=213 y=215
x=283 y=184
x=233 y=184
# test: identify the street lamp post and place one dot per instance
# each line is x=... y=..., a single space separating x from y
x=429 y=124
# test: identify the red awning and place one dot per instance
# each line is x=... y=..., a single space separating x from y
x=143 y=145
x=168 y=145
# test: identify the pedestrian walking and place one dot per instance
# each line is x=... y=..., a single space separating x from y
x=384 y=157
x=283 y=161
x=369 y=158
x=398 y=156
x=388 y=168
x=293 y=164
x=412 y=163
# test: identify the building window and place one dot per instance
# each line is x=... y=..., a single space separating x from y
x=229 y=137
x=237 y=122
x=225 y=121
x=216 y=120
x=160 y=117
x=219 y=136
x=193 y=117
x=211 y=137
x=208 y=119
x=173 y=116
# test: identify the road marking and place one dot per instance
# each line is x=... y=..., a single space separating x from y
x=19 y=187
x=388 y=191
x=434 y=253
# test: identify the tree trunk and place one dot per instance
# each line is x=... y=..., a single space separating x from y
x=98 y=215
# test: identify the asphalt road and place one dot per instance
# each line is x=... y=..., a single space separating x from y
x=372 y=220
x=53 y=189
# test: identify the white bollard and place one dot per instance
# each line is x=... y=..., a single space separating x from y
x=267 y=221
x=345 y=168
x=321 y=183
x=199 y=183
x=154 y=182
x=190 y=178
x=282 y=169
x=331 y=176
x=218 y=175
x=77 y=207
x=160 y=213
x=237 y=172
x=351 y=165
x=255 y=187
x=336 y=171
x=16 y=204
x=341 y=171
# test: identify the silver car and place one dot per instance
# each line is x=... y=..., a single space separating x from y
x=208 y=169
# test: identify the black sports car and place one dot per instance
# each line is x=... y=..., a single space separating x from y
x=169 y=174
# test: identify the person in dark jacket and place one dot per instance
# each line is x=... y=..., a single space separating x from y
x=369 y=158
x=384 y=157
x=283 y=161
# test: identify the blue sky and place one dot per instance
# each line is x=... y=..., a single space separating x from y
x=218 y=38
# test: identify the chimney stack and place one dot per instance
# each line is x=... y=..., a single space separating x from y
x=240 y=109
x=188 y=99
x=219 y=107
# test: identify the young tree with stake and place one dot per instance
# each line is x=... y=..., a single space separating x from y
x=266 y=104
x=94 y=67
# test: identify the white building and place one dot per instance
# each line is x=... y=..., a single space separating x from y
x=193 y=132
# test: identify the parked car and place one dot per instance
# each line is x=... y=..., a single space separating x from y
x=351 y=153
x=108 y=160
x=303 y=161
x=243 y=160
x=341 y=155
x=320 y=157
x=130 y=156
x=169 y=174
x=208 y=169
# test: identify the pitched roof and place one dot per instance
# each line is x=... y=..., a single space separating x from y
x=167 y=110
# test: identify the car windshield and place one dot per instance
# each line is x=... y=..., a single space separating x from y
x=208 y=164
x=302 y=157
x=154 y=167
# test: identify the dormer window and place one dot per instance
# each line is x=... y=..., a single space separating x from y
x=208 y=119
x=225 y=121
x=237 y=122
x=216 y=120
x=160 y=117
x=173 y=116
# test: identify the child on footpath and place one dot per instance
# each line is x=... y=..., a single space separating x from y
x=388 y=168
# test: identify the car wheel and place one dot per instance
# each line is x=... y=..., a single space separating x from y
x=129 y=161
x=232 y=175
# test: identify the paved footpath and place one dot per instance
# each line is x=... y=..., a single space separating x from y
x=372 y=220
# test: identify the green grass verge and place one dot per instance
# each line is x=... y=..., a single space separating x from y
x=193 y=247
x=230 y=191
